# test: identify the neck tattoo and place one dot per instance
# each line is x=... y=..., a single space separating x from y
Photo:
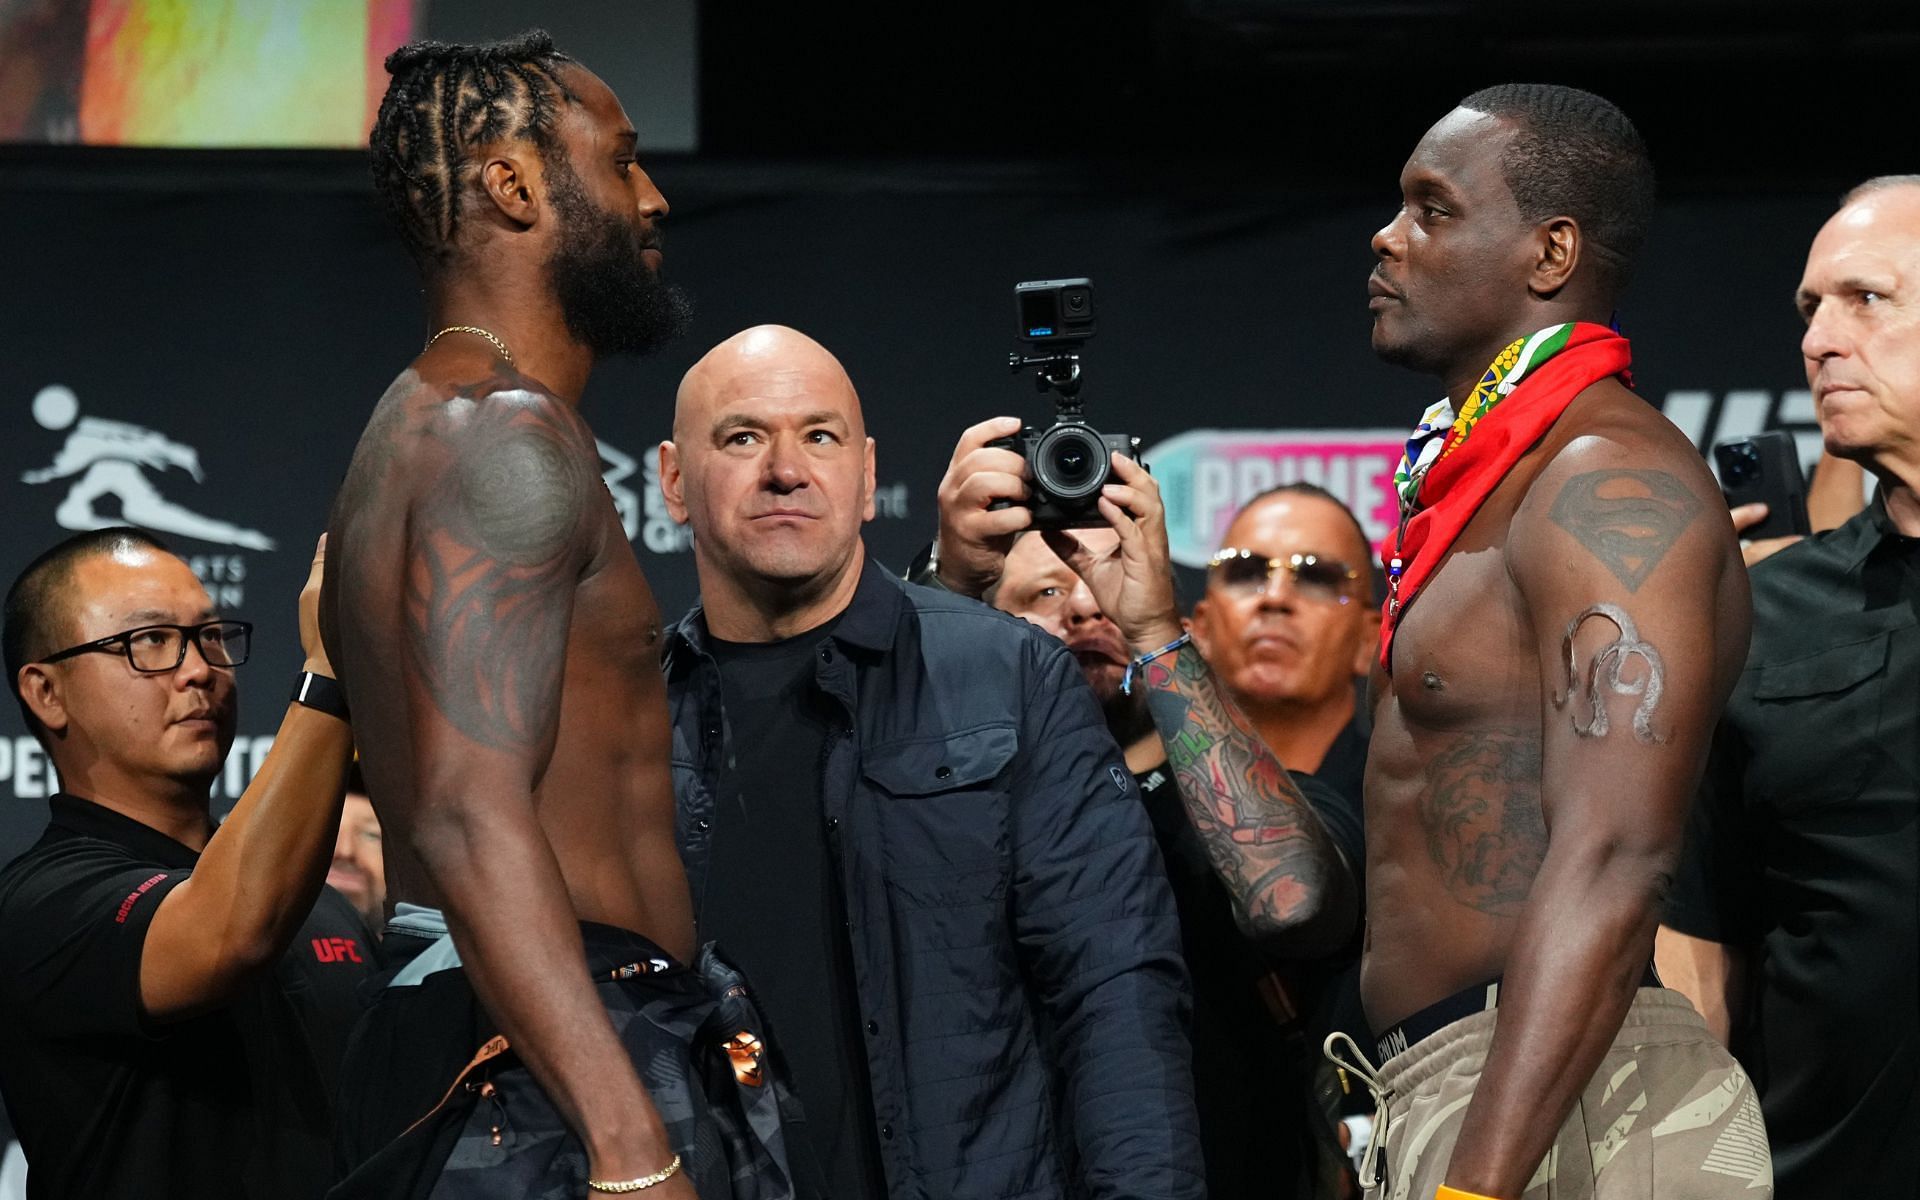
x=475 y=330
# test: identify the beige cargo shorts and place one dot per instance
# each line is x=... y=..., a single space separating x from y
x=1669 y=1114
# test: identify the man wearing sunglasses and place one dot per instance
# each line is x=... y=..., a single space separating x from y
x=1288 y=624
x=1261 y=863
x=173 y=1003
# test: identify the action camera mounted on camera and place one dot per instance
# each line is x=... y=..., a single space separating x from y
x=1067 y=462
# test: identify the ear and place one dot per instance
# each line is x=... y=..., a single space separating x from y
x=1367 y=643
x=873 y=483
x=1558 y=242
x=41 y=690
x=1200 y=625
x=672 y=484
x=513 y=187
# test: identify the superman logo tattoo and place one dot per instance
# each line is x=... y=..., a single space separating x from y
x=1626 y=519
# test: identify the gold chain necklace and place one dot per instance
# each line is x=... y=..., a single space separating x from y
x=474 y=329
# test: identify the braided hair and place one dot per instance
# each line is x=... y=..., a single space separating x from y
x=446 y=102
x=1577 y=155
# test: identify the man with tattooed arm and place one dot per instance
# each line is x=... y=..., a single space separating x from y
x=1261 y=860
x=1567 y=612
x=500 y=646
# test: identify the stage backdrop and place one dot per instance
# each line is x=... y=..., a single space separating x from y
x=193 y=345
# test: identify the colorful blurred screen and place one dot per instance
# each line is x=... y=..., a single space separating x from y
x=225 y=73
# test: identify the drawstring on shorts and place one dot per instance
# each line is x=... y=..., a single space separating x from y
x=1358 y=1065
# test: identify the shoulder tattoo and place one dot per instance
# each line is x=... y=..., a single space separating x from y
x=1628 y=519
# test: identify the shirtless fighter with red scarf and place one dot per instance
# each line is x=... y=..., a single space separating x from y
x=1568 y=614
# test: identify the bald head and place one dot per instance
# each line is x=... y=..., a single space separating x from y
x=1860 y=297
x=770 y=361
x=771 y=465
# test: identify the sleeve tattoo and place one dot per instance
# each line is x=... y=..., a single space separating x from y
x=1262 y=836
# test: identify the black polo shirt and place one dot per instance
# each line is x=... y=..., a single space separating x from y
x=234 y=1103
x=1804 y=851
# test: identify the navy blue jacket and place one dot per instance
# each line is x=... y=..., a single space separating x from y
x=1015 y=949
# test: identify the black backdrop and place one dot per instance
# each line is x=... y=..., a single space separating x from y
x=251 y=308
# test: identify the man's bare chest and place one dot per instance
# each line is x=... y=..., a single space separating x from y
x=1465 y=652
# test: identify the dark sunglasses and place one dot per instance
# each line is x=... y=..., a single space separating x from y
x=1244 y=574
x=157 y=649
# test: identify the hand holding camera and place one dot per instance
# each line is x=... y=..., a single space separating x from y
x=982 y=498
x=1132 y=582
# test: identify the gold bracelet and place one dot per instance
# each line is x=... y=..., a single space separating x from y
x=618 y=1186
x=1452 y=1193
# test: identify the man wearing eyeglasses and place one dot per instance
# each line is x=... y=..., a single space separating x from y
x=1259 y=860
x=173 y=1003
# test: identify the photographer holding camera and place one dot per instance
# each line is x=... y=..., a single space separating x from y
x=1259 y=859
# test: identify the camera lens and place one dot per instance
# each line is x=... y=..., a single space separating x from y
x=1076 y=301
x=1070 y=462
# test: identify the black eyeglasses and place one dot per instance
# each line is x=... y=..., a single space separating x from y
x=157 y=649
x=1244 y=574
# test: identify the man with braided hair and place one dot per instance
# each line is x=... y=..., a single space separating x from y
x=1567 y=613
x=547 y=1028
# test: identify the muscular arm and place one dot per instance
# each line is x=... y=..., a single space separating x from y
x=231 y=919
x=1637 y=597
x=495 y=551
x=1290 y=886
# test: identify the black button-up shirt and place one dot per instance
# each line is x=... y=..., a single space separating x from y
x=1803 y=852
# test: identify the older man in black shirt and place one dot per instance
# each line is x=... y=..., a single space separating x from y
x=1793 y=918
x=173 y=1005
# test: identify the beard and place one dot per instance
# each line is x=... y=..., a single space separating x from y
x=613 y=304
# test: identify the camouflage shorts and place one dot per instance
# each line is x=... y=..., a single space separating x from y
x=695 y=1037
x=1668 y=1114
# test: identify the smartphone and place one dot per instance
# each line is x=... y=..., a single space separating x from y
x=1765 y=469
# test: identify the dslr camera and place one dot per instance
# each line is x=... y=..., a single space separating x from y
x=1067 y=462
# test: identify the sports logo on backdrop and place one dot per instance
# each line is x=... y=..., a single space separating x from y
x=110 y=459
x=1708 y=419
x=1207 y=474
x=105 y=464
x=617 y=465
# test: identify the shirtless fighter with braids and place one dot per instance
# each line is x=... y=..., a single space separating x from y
x=549 y=1029
x=1568 y=614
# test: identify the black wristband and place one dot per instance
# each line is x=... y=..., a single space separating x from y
x=319 y=692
